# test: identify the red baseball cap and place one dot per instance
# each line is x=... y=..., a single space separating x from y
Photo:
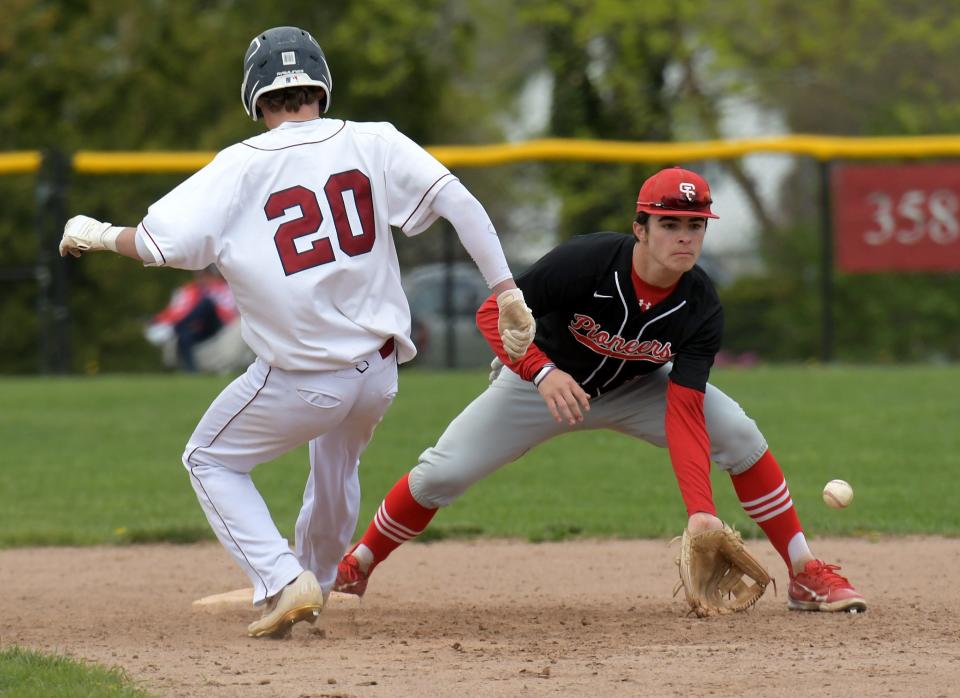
x=675 y=192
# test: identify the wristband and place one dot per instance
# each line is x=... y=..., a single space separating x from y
x=110 y=236
x=542 y=373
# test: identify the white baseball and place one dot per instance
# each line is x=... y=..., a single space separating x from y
x=837 y=494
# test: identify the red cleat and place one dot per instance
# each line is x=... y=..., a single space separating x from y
x=819 y=588
x=350 y=578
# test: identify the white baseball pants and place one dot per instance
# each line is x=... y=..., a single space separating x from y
x=510 y=417
x=263 y=414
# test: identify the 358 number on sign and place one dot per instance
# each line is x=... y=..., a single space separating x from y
x=915 y=216
x=904 y=217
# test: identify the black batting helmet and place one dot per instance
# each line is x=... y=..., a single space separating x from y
x=283 y=57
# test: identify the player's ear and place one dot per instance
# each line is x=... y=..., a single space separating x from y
x=639 y=231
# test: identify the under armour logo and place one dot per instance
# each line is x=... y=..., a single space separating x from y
x=645 y=305
x=689 y=190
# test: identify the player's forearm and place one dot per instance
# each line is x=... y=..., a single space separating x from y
x=689 y=445
x=476 y=233
x=515 y=324
x=127 y=243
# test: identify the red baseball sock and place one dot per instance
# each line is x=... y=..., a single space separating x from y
x=399 y=518
x=764 y=494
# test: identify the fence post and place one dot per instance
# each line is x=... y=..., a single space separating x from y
x=53 y=312
x=826 y=264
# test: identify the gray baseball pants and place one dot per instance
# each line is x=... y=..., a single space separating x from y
x=510 y=417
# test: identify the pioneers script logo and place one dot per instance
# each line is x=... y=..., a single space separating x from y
x=587 y=331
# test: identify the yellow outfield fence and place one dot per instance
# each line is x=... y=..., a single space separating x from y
x=92 y=162
x=20 y=162
x=53 y=169
x=818 y=147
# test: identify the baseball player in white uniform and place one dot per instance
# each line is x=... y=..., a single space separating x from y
x=297 y=219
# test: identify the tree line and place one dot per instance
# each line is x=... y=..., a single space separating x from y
x=164 y=75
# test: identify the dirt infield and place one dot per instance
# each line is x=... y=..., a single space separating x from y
x=496 y=619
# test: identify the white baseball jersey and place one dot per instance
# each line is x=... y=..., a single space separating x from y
x=298 y=220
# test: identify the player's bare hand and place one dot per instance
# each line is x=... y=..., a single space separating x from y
x=516 y=324
x=565 y=398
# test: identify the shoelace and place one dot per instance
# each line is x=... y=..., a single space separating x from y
x=355 y=574
x=829 y=575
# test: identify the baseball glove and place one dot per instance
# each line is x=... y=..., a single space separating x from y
x=718 y=574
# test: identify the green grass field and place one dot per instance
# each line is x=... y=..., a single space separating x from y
x=97 y=460
x=27 y=674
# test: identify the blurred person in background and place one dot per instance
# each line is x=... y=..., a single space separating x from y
x=199 y=330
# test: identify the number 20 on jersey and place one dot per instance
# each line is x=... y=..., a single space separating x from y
x=354 y=237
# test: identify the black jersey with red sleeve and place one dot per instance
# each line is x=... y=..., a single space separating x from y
x=591 y=324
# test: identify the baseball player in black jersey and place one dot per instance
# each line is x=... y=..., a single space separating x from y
x=627 y=330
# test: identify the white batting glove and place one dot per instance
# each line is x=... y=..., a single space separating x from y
x=516 y=342
x=516 y=324
x=85 y=234
x=495 y=367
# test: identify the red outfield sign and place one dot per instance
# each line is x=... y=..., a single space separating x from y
x=896 y=218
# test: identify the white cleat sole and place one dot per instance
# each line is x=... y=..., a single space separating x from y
x=848 y=605
x=281 y=626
